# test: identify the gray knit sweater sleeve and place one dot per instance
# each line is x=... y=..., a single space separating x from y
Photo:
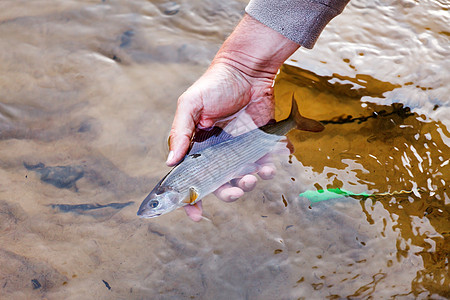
x=301 y=21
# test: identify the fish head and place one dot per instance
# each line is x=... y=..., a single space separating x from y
x=160 y=201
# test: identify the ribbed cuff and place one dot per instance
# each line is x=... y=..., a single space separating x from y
x=301 y=21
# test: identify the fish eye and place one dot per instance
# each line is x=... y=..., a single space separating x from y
x=153 y=203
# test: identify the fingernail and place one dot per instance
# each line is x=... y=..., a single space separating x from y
x=233 y=198
x=169 y=157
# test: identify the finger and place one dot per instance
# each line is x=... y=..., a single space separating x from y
x=194 y=211
x=229 y=193
x=183 y=127
x=266 y=159
x=284 y=148
x=246 y=183
x=267 y=171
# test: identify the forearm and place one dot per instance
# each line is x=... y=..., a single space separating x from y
x=255 y=49
x=273 y=30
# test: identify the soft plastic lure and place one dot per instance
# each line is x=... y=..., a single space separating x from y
x=337 y=193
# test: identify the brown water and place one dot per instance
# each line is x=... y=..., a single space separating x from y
x=88 y=91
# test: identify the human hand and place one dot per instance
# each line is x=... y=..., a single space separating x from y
x=221 y=92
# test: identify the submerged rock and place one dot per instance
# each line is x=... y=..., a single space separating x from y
x=170 y=8
x=20 y=273
x=63 y=177
x=11 y=214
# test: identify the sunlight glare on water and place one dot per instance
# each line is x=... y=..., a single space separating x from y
x=89 y=89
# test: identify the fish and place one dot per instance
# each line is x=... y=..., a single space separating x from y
x=218 y=159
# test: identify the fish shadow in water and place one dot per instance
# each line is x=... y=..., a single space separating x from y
x=83 y=208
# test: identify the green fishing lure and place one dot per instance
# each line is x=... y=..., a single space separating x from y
x=337 y=193
x=329 y=194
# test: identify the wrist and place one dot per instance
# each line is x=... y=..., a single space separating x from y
x=255 y=49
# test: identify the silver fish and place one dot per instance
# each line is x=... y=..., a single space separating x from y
x=204 y=169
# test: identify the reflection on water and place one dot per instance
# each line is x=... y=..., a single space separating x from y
x=88 y=88
x=386 y=150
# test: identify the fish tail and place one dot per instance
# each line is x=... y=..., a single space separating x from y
x=301 y=122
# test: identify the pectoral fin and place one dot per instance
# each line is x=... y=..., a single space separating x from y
x=207 y=137
x=193 y=196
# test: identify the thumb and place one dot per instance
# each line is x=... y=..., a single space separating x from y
x=183 y=127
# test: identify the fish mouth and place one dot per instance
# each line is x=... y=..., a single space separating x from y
x=147 y=216
x=143 y=213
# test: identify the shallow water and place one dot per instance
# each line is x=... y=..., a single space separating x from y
x=88 y=92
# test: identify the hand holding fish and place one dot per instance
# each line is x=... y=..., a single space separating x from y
x=216 y=158
x=242 y=71
x=219 y=93
x=241 y=75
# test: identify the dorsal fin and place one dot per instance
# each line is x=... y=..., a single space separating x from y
x=303 y=123
x=207 y=137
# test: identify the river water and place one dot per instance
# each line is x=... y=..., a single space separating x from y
x=88 y=92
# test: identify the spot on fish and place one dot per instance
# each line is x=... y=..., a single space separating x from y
x=195 y=155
